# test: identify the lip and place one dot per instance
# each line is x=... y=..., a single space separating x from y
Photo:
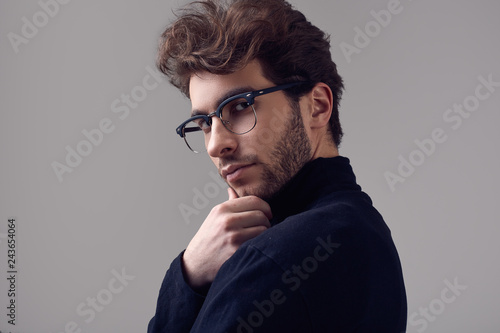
x=234 y=171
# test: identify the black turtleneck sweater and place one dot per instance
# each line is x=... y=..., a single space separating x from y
x=327 y=264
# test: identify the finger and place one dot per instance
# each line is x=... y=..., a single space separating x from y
x=267 y=211
x=249 y=219
x=249 y=203
x=232 y=193
x=249 y=233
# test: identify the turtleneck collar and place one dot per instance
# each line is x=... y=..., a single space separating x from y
x=316 y=179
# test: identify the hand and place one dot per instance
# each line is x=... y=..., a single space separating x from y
x=228 y=225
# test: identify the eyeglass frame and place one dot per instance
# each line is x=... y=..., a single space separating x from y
x=248 y=96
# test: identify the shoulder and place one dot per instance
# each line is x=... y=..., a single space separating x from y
x=335 y=264
x=346 y=217
x=338 y=252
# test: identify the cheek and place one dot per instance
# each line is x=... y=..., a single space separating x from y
x=265 y=136
x=259 y=141
x=268 y=130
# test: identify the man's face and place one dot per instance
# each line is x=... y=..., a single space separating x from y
x=261 y=161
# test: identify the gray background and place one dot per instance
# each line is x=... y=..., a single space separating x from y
x=120 y=208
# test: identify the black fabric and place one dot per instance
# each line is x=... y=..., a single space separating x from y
x=328 y=264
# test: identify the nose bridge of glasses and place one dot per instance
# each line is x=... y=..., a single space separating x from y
x=223 y=122
x=220 y=138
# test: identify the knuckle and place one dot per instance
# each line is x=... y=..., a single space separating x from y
x=263 y=228
x=217 y=209
x=228 y=222
x=226 y=226
x=260 y=228
x=260 y=216
x=232 y=240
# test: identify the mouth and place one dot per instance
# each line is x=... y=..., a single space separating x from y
x=233 y=172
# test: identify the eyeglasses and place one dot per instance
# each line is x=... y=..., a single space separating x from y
x=237 y=114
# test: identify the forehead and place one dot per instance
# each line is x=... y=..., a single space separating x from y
x=206 y=90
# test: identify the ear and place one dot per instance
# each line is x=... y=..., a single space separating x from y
x=322 y=102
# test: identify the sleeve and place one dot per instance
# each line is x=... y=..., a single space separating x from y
x=178 y=305
x=250 y=295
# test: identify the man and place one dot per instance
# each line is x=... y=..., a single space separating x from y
x=297 y=247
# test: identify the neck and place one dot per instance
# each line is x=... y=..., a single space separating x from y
x=325 y=149
x=315 y=179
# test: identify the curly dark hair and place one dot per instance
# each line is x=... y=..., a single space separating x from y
x=221 y=37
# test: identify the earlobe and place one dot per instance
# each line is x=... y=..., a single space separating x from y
x=322 y=103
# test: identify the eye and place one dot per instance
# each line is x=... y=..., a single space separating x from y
x=240 y=106
x=235 y=109
x=203 y=124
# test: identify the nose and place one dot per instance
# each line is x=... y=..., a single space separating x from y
x=221 y=141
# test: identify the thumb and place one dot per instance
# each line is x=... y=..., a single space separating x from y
x=232 y=194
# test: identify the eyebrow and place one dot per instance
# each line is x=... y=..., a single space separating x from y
x=228 y=94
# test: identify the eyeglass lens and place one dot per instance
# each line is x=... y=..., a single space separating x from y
x=237 y=116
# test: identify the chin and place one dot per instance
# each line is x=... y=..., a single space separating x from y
x=246 y=190
x=258 y=191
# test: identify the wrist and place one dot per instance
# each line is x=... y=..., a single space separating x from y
x=198 y=283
